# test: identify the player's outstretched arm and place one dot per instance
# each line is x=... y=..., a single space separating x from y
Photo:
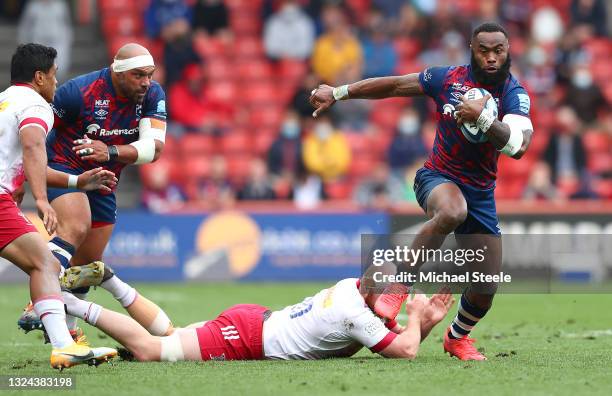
x=94 y=179
x=406 y=344
x=32 y=141
x=325 y=96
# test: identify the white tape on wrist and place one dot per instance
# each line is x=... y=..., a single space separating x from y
x=145 y=149
x=73 y=181
x=341 y=92
x=121 y=65
x=485 y=120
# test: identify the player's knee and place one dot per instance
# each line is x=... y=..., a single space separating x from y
x=451 y=216
x=74 y=231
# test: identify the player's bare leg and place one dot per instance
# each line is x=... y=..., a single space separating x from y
x=447 y=209
x=181 y=345
x=29 y=252
x=144 y=311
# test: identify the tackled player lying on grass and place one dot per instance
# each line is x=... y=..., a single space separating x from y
x=335 y=322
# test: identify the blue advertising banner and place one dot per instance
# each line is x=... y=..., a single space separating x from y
x=233 y=245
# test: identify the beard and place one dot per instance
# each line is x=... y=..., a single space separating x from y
x=490 y=79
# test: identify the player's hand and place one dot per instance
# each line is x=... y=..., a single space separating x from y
x=469 y=110
x=321 y=99
x=47 y=214
x=438 y=306
x=92 y=150
x=416 y=303
x=97 y=179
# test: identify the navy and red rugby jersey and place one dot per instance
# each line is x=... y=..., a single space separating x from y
x=474 y=164
x=88 y=104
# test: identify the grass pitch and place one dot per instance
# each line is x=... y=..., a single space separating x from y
x=536 y=344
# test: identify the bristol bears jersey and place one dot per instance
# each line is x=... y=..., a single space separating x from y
x=469 y=163
x=20 y=107
x=336 y=322
x=89 y=105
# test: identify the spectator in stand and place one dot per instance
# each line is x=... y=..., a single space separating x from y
x=445 y=19
x=540 y=186
x=591 y=14
x=380 y=191
x=48 y=22
x=162 y=13
x=178 y=49
x=453 y=50
x=285 y=155
x=190 y=106
x=584 y=96
x=258 y=186
x=216 y=191
x=300 y=99
x=308 y=191
x=289 y=32
x=488 y=11
x=540 y=76
x=326 y=151
x=159 y=195
x=211 y=18
x=380 y=57
x=411 y=24
x=407 y=147
x=565 y=154
x=337 y=56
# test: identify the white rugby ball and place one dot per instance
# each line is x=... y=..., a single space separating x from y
x=469 y=129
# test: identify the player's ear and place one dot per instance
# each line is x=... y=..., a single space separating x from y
x=39 y=78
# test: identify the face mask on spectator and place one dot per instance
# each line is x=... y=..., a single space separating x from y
x=582 y=79
x=408 y=125
x=291 y=129
x=323 y=130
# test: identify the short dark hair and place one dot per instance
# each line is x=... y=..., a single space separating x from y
x=489 y=27
x=30 y=58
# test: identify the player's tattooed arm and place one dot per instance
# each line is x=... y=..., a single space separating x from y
x=325 y=96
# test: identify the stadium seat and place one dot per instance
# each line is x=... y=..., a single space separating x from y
x=266 y=116
x=596 y=142
x=119 y=6
x=386 y=119
x=407 y=48
x=254 y=70
x=219 y=69
x=292 y=70
x=236 y=5
x=244 y=25
x=603 y=188
x=262 y=141
x=362 y=166
x=238 y=168
x=599 y=162
x=235 y=142
x=341 y=189
x=221 y=91
x=248 y=48
x=196 y=145
x=208 y=48
x=122 y=24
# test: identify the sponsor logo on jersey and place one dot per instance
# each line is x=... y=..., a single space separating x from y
x=161 y=106
x=101 y=113
x=524 y=103
x=374 y=326
x=94 y=129
x=219 y=358
x=58 y=112
x=102 y=102
x=426 y=75
x=461 y=87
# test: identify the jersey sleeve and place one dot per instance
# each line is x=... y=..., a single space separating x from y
x=36 y=115
x=432 y=80
x=369 y=330
x=516 y=101
x=154 y=105
x=67 y=103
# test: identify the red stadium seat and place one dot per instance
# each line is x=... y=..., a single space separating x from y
x=241 y=5
x=339 y=189
x=292 y=70
x=209 y=47
x=599 y=162
x=234 y=142
x=248 y=47
x=221 y=91
x=254 y=70
x=386 y=119
x=407 y=48
x=197 y=145
x=596 y=142
x=122 y=24
x=262 y=142
x=266 y=116
x=219 y=69
x=238 y=168
x=362 y=166
x=259 y=94
x=243 y=24
x=603 y=188
x=359 y=143
x=118 y=6
x=195 y=168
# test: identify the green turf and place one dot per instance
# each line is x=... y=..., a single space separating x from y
x=536 y=344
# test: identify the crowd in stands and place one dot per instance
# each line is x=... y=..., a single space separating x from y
x=238 y=74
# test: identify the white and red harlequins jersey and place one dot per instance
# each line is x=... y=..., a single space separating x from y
x=336 y=322
x=20 y=106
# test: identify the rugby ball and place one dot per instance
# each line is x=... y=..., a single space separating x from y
x=469 y=129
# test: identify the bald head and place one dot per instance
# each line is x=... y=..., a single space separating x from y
x=131 y=50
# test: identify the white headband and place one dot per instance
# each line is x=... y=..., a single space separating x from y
x=121 y=65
